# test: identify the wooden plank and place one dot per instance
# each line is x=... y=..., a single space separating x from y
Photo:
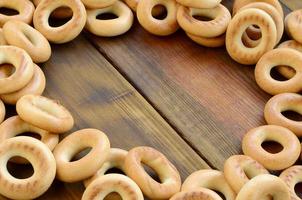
x=293 y=4
x=210 y=99
x=99 y=97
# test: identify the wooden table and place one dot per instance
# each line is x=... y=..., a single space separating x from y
x=194 y=104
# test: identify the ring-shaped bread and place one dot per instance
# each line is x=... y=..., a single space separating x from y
x=25 y=10
x=44 y=113
x=161 y=27
x=262 y=186
x=279 y=57
x=170 y=181
x=110 y=27
x=220 y=16
x=237 y=27
x=67 y=170
x=105 y=185
x=65 y=32
x=252 y=146
x=210 y=179
x=280 y=103
x=23 y=65
x=39 y=156
x=24 y=36
x=293 y=25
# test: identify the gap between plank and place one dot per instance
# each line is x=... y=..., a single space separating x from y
x=128 y=79
x=141 y=92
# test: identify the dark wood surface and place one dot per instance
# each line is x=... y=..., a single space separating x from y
x=211 y=100
x=192 y=103
x=99 y=97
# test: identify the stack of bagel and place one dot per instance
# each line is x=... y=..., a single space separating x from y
x=84 y=14
x=24 y=77
x=207 y=33
x=256 y=28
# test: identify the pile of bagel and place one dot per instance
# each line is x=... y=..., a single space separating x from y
x=250 y=36
x=51 y=158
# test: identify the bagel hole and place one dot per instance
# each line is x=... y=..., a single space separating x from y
x=80 y=154
x=19 y=171
x=8 y=11
x=270 y=197
x=220 y=194
x=106 y=16
x=151 y=172
x=275 y=73
x=293 y=115
x=113 y=196
x=272 y=147
x=252 y=35
x=202 y=18
x=6 y=70
x=29 y=38
x=114 y=170
x=298 y=189
x=55 y=21
x=249 y=38
x=30 y=134
x=159 y=12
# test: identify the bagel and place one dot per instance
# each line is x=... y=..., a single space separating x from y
x=279 y=57
x=200 y=3
x=96 y=4
x=293 y=25
x=280 y=103
x=65 y=32
x=115 y=159
x=239 y=169
x=210 y=179
x=216 y=27
x=252 y=141
x=197 y=194
x=60 y=13
x=104 y=185
x=2 y=111
x=22 y=35
x=110 y=27
x=291 y=177
x=241 y=21
x=156 y=10
x=88 y=165
x=36 y=86
x=262 y=186
x=240 y=3
x=23 y=66
x=170 y=181
x=2 y=38
x=14 y=126
x=163 y=27
x=288 y=72
x=39 y=156
x=278 y=19
x=208 y=42
x=25 y=10
x=44 y=113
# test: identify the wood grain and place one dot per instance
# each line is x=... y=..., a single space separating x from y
x=210 y=99
x=99 y=97
x=164 y=92
x=293 y=4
